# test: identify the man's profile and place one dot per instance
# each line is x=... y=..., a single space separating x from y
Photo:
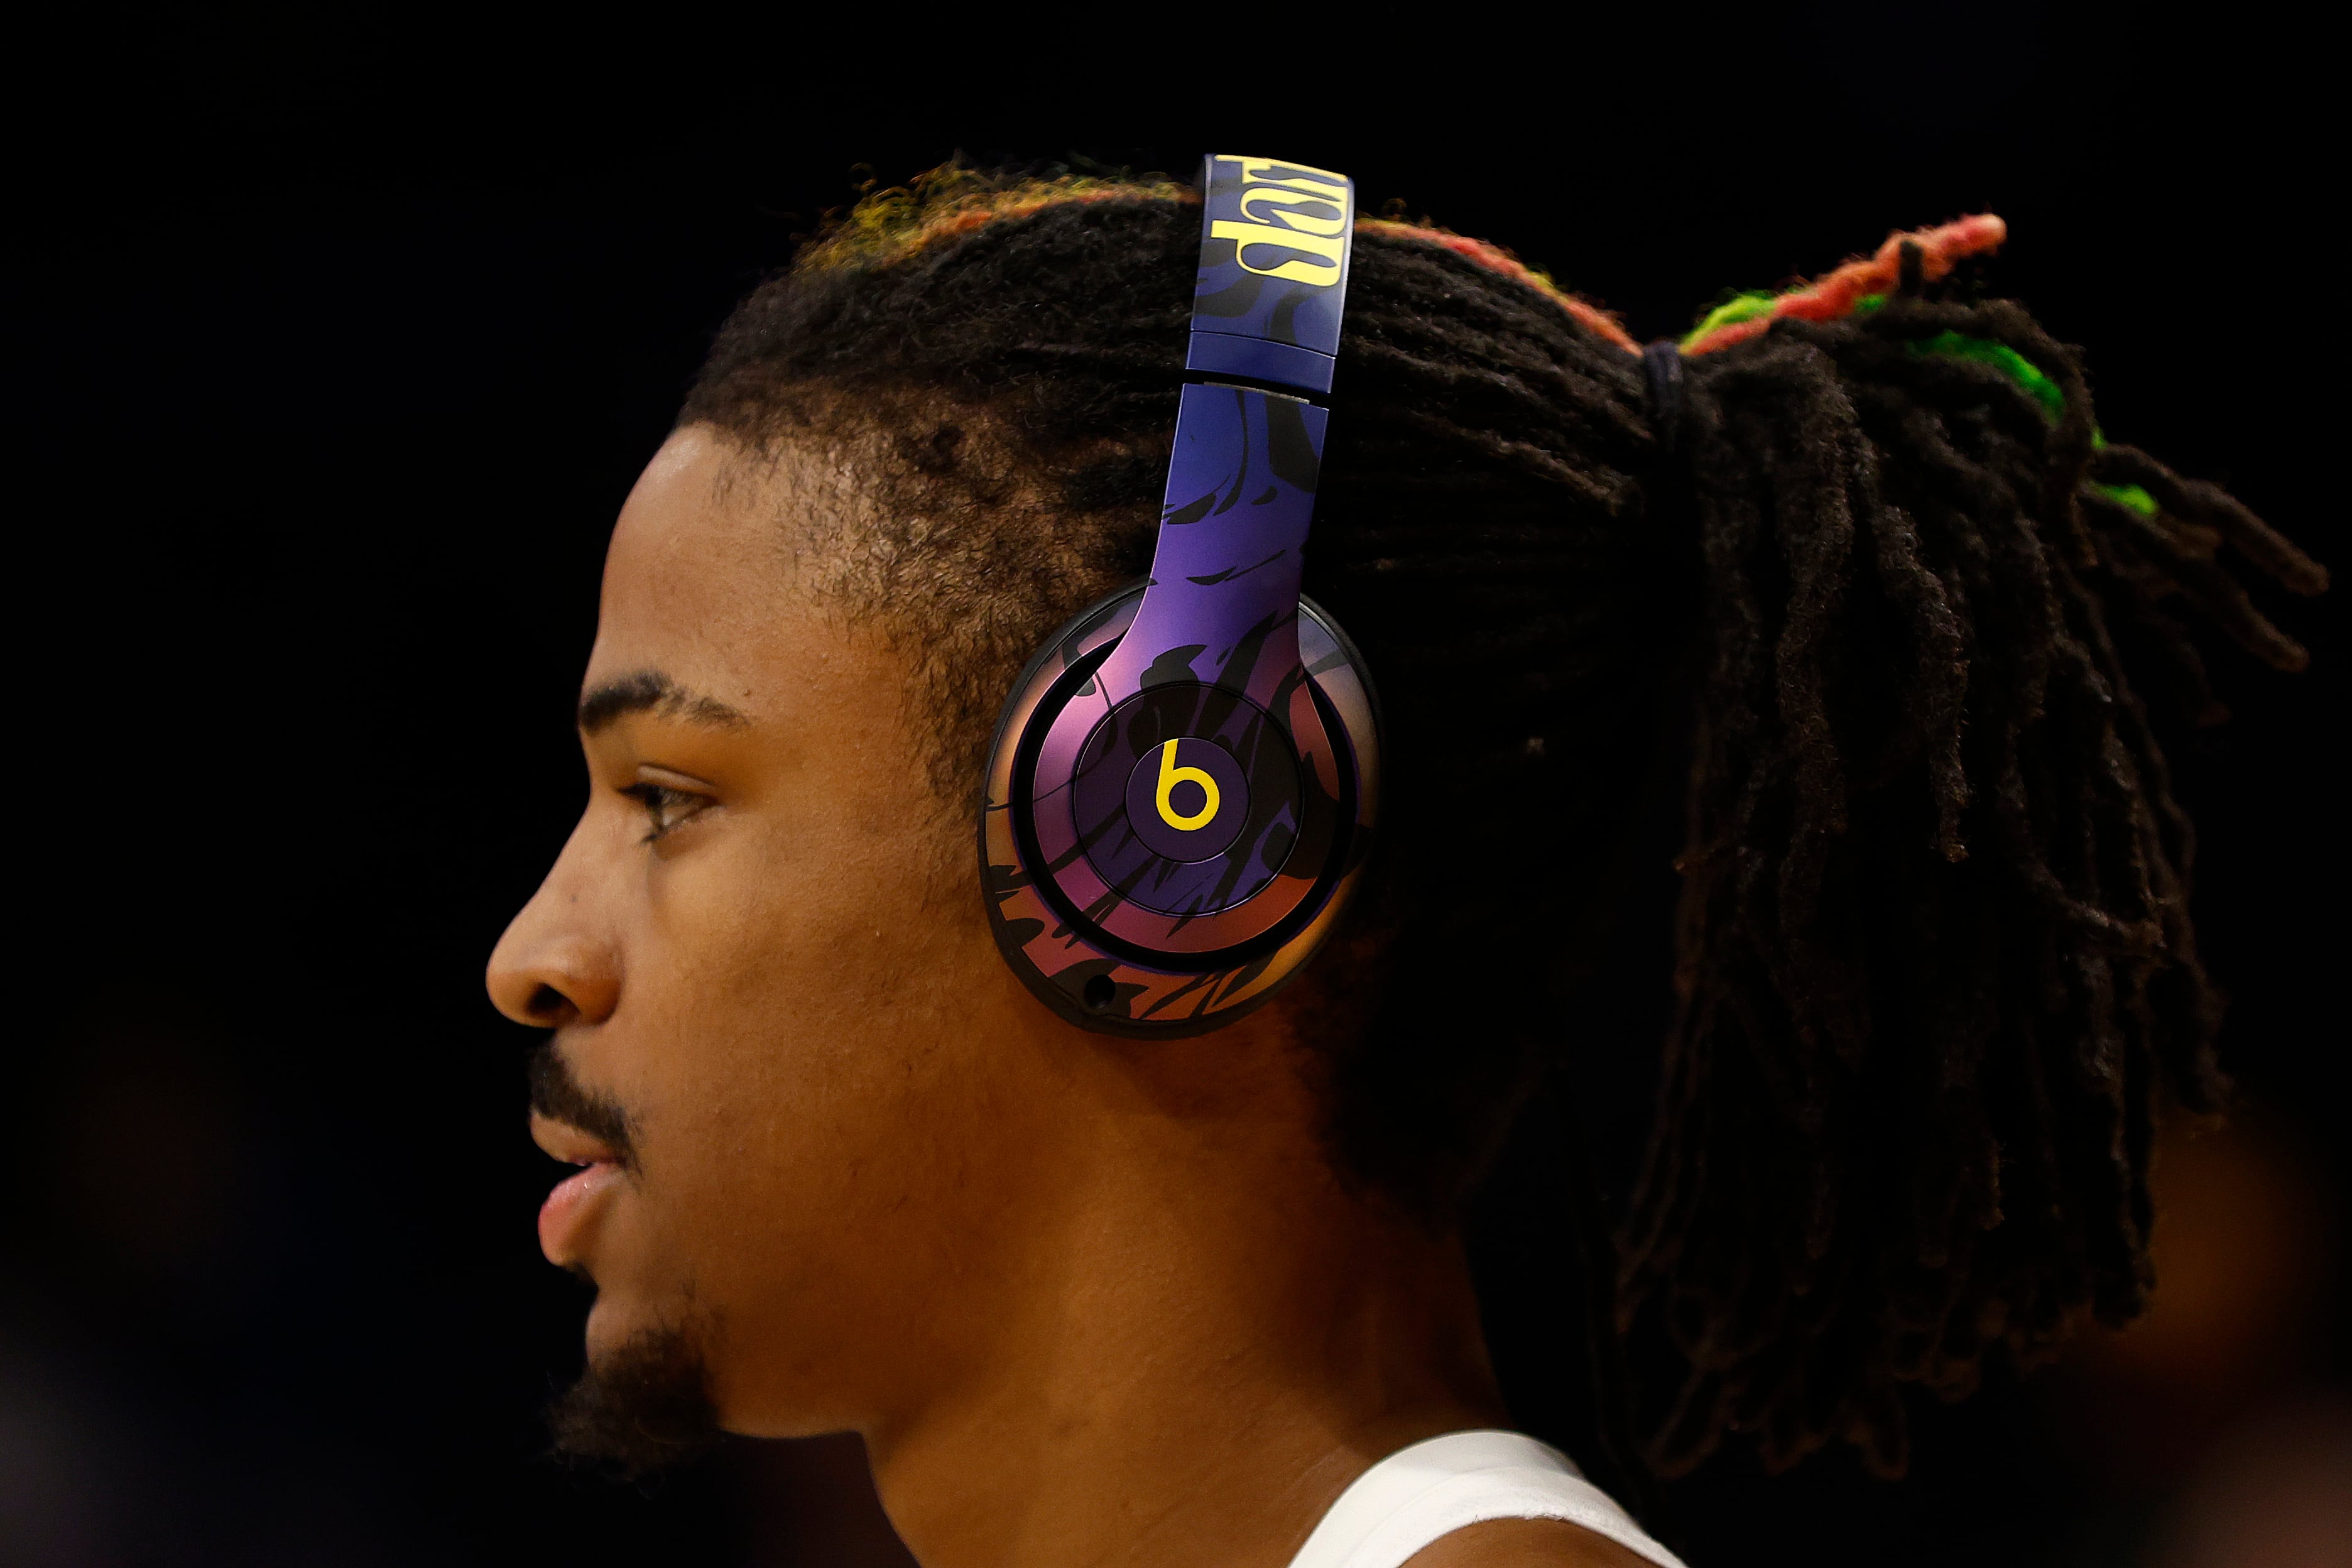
x=1850 y=554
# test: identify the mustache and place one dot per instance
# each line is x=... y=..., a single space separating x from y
x=558 y=1095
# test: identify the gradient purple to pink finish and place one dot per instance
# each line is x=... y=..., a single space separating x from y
x=1057 y=955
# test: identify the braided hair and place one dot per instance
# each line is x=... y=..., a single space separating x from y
x=1867 y=584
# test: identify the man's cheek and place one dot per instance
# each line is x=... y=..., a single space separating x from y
x=747 y=970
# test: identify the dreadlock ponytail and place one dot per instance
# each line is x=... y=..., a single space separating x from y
x=1934 y=947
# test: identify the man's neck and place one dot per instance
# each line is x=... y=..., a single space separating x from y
x=1208 y=1357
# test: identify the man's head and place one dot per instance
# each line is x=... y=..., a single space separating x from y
x=810 y=1093
x=856 y=1146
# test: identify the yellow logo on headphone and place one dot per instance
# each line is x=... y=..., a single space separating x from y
x=1271 y=216
x=1171 y=775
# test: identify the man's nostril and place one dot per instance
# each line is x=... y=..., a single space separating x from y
x=549 y=1006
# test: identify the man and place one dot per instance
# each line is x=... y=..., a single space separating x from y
x=1096 y=1300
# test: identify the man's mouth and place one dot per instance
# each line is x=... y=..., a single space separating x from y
x=570 y=1206
x=575 y=1200
x=579 y=1128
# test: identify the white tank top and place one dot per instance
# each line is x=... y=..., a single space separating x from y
x=1420 y=1494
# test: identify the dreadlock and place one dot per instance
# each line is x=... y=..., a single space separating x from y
x=1932 y=950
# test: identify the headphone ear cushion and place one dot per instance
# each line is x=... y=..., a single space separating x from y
x=1174 y=869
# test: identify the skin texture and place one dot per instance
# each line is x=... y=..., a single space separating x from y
x=1090 y=1301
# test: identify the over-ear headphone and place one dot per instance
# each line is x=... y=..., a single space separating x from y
x=1182 y=792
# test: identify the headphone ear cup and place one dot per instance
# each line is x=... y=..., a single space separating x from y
x=1159 y=866
x=1343 y=686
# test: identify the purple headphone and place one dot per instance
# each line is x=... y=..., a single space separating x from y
x=1182 y=787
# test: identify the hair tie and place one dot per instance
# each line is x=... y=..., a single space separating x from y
x=1663 y=362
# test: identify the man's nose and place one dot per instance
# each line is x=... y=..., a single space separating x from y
x=549 y=969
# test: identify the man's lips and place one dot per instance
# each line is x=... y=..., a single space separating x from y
x=567 y=1210
x=574 y=1202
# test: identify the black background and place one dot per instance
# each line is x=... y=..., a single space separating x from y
x=336 y=339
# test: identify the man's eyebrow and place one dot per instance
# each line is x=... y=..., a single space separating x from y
x=651 y=691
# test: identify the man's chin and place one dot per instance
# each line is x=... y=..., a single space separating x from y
x=640 y=1408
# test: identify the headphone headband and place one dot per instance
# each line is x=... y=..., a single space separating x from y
x=1274 y=243
x=1222 y=607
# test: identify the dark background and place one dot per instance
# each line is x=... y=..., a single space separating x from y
x=335 y=341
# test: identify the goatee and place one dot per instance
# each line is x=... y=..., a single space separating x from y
x=642 y=1409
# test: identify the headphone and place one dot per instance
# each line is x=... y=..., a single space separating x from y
x=1181 y=791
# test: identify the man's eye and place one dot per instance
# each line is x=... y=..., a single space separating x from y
x=664 y=808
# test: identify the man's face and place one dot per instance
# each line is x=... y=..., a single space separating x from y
x=761 y=956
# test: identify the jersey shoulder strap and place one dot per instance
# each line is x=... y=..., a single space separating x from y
x=1425 y=1492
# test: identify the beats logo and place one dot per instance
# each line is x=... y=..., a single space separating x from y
x=1187 y=799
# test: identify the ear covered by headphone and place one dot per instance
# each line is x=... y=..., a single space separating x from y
x=1184 y=782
